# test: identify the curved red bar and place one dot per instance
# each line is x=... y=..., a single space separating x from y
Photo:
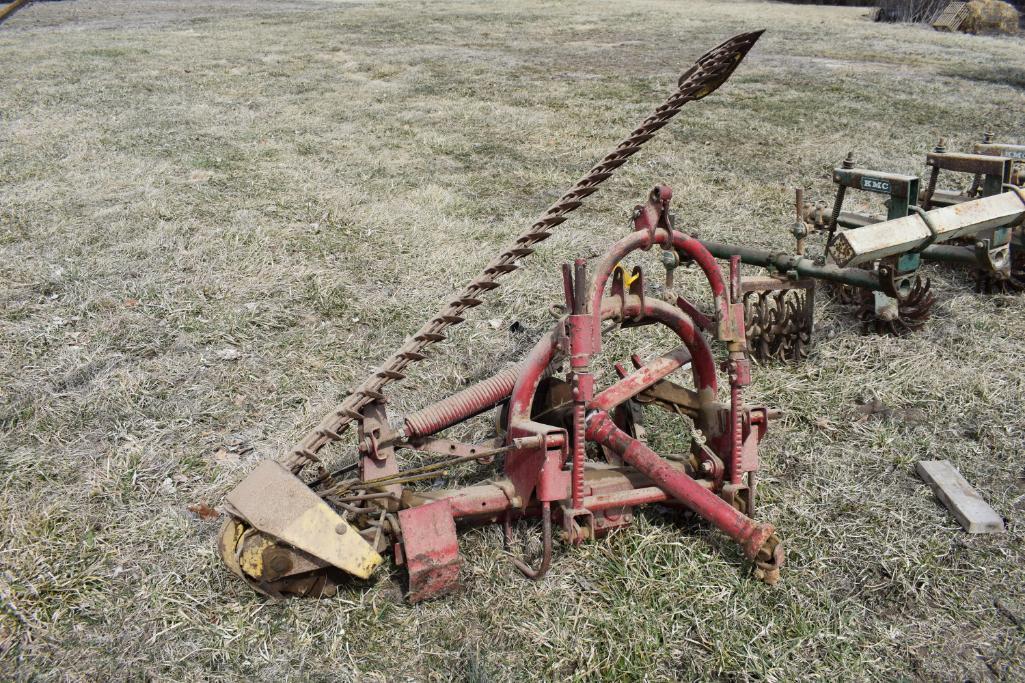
x=702 y=363
x=532 y=369
x=642 y=240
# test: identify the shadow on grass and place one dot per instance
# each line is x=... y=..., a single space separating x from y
x=999 y=75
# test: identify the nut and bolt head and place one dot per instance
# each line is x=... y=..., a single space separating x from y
x=849 y=161
x=341 y=528
x=706 y=466
x=277 y=561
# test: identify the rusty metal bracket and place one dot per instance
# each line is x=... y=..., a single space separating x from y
x=933 y=229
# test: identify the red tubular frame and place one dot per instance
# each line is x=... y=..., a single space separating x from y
x=593 y=496
x=745 y=531
x=642 y=496
x=601 y=429
x=702 y=362
x=651 y=228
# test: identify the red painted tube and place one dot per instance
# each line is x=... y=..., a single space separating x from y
x=621 y=499
x=540 y=357
x=482 y=500
x=638 y=381
x=701 y=256
x=531 y=372
x=749 y=534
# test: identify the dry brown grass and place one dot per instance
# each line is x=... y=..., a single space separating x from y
x=301 y=183
x=991 y=16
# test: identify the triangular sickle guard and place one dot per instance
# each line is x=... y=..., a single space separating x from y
x=710 y=71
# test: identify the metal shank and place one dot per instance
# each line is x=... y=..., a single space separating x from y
x=805 y=267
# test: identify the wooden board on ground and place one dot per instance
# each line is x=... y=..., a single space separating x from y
x=974 y=513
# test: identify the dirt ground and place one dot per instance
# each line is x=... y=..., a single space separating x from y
x=216 y=217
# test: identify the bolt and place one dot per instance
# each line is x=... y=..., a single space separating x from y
x=277 y=562
x=941 y=146
x=706 y=466
x=987 y=137
x=280 y=564
x=341 y=528
x=849 y=161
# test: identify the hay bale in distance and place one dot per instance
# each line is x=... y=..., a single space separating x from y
x=990 y=16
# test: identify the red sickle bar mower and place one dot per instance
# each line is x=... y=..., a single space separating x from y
x=569 y=453
x=553 y=417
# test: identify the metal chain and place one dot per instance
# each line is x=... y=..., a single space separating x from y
x=707 y=74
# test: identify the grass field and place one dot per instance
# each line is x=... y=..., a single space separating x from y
x=216 y=217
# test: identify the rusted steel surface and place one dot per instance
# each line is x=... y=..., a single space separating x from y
x=1011 y=151
x=969 y=163
x=430 y=550
x=783 y=262
x=710 y=72
x=1016 y=152
x=779 y=317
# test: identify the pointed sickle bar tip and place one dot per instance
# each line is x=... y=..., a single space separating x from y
x=716 y=66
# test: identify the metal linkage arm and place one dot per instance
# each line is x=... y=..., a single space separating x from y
x=783 y=262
